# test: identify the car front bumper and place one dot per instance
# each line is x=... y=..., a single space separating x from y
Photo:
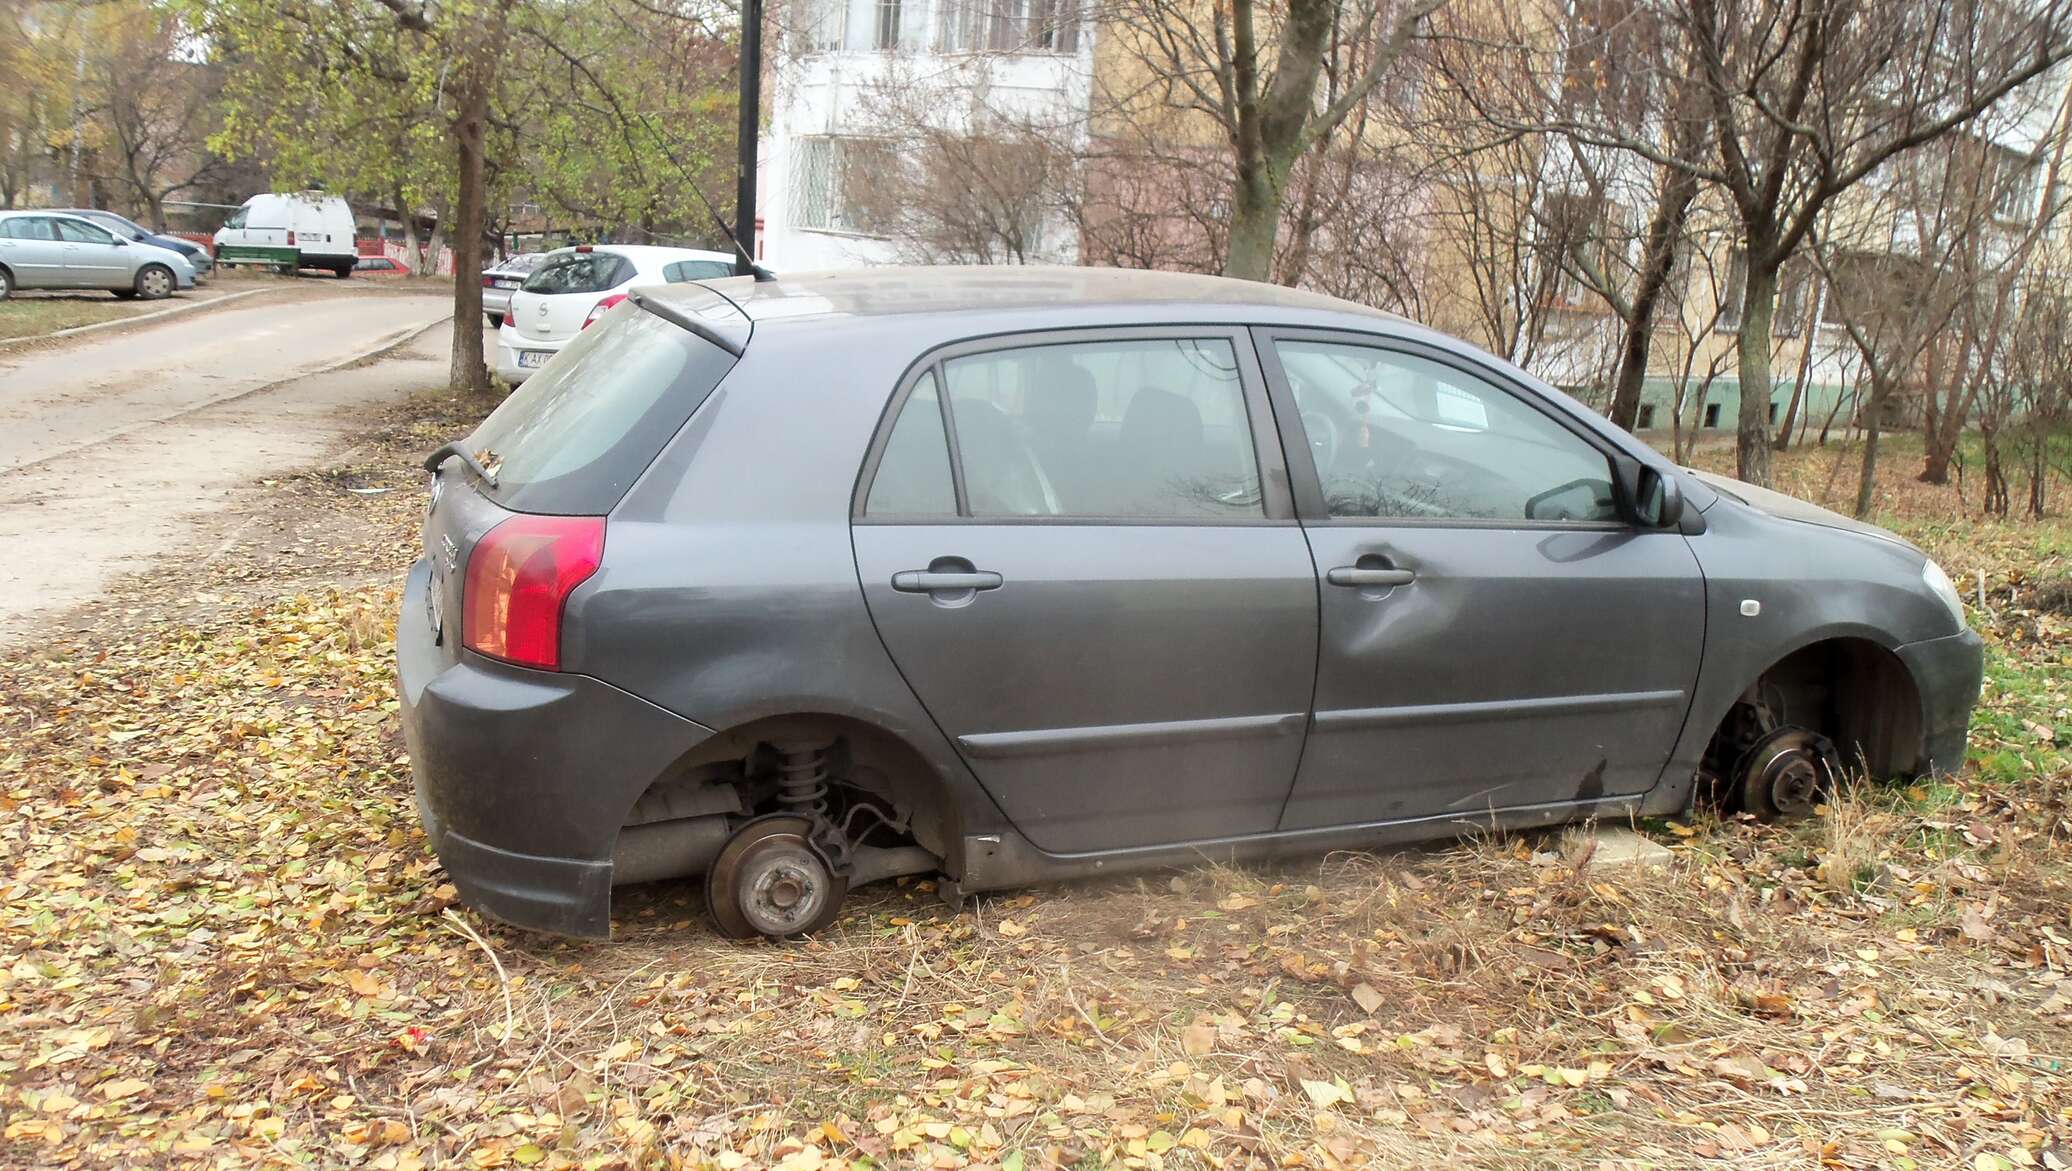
x=524 y=777
x=1948 y=673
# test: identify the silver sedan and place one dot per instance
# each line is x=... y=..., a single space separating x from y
x=499 y=282
x=51 y=250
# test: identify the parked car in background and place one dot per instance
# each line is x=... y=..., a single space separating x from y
x=306 y=229
x=378 y=266
x=135 y=233
x=58 y=250
x=1015 y=574
x=503 y=279
x=571 y=287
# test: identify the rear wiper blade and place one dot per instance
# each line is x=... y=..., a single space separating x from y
x=459 y=448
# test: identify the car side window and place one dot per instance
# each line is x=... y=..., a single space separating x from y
x=696 y=270
x=28 y=228
x=1150 y=429
x=913 y=476
x=81 y=232
x=1398 y=435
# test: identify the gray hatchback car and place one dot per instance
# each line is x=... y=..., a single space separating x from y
x=1005 y=575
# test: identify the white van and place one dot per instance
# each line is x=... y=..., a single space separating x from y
x=304 y=229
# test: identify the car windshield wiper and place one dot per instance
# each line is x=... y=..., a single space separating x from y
x=458 y=447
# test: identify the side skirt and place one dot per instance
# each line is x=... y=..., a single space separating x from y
x=994 y=861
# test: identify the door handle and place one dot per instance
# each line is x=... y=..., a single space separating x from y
x=928 y=581
x=1353 y=575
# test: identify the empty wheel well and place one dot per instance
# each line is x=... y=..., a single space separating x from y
x=1850 y=690
x=865 y=758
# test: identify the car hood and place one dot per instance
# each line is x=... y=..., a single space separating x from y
x=1784 y=507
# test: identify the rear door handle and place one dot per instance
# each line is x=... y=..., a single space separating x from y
x=928 y=581
x=1352 y=575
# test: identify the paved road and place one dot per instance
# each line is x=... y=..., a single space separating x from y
x=114 y=449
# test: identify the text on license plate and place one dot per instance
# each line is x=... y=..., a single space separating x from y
x=532 y=359
x=507 y=284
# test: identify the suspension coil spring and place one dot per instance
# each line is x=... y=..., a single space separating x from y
x=802 y=775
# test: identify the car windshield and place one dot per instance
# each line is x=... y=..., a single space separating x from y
x=579 y=272
x=571 y=438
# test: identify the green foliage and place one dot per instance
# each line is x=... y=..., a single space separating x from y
x=603 y=113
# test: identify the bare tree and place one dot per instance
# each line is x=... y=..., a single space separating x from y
x=1803 y=100
x=155 y=107
x=1256 y=71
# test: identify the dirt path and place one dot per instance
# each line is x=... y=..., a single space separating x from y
x=164 y=444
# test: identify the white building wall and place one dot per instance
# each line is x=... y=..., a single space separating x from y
x=831 y=93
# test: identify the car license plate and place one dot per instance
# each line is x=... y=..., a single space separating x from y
x=532 y=359
x=507 y=284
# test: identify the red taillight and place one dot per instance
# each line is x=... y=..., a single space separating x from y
x=519 y=575
x=291 y=235
x=510 y=318
x=582 y=248
x=489 y=282
x=598 y=310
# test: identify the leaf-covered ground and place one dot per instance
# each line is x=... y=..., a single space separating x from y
x=223 y=944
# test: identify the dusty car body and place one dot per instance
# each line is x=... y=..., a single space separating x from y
x=1017 y=574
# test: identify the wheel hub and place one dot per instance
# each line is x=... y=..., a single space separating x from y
x=1783 y=774
x=770 y=880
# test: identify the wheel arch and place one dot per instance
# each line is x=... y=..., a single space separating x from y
x=1849 y=684
x=870 y=757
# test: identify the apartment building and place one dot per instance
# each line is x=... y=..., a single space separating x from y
x=882 y=116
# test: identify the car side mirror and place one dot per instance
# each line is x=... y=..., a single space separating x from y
x=121 y=243
x=1659 y=502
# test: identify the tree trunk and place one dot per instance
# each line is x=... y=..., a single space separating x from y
x=408 y=219
x=1657 y=266
x=1867 y=482
x=470 y=130
x=1255 y=220
x=1798 y=386
x=1758 y=307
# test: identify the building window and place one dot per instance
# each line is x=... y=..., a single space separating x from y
x=2015 y=177
x=821 y=24
x=1774 y=406
x=1712 y=414
x=1008 y=26
x=1646 y=422
x=830 y=190
x=1577 y=227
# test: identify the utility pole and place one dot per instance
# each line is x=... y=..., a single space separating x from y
x=751 y=108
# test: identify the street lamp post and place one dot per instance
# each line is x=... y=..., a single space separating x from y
x=751 y=103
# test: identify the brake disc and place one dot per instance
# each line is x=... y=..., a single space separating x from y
x=1782 y=776
x=770 y=880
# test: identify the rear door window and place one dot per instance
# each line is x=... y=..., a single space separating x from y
x=28 y=228
x=579 y=272
x=1151 y=429
x=573 y=437
x=914 y=473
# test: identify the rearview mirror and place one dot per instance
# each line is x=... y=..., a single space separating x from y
x=1659 y=503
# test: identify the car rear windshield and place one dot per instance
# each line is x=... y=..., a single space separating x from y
x=573 y=437
x=579 y=272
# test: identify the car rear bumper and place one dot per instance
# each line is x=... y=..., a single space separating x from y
x=509 y=343
x=524 y=777
x=1948 y=673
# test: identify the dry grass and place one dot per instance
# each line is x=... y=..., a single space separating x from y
x=223 y=945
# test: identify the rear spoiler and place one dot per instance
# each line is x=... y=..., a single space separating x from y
x=701 y=309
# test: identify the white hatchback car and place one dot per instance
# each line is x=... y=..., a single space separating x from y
x=573 y=287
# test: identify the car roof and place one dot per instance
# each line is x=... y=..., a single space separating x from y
x=1077 y=292
x=649 y=252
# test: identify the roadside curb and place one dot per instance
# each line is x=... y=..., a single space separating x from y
x=379 y=350
x=139 y=319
